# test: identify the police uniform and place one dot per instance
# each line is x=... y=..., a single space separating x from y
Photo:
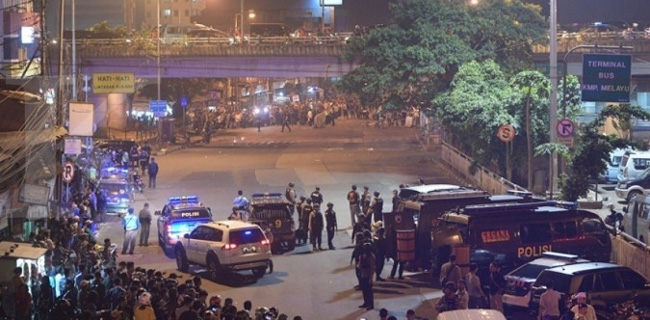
x=131 y=226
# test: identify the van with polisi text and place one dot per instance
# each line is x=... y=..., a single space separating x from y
x=515 y=233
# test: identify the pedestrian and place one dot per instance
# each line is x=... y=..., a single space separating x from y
x=332 y=227
x=549 y=308
x=133 y=153
x=144 y=218
x=242 y=204
x=317 y=197
x=131 y=226
x=365 y=200
x=582 y=308
x=353 y=200
x=290 y=195
x=305 y=214
x=449 y=300
x=376 y=207
x=496 y=285
x=268 y=233
x=286 y=118
x=144 y=160
x=395 y=201
x=474 y=289
x=381 y=246
x=366 y=267
x=153 y=172
x=316 y=228
x=463 y=295
x=450 y=272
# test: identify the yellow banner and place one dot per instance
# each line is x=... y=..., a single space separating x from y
x=113 y=82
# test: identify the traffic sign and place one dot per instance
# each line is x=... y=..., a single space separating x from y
x=68 y=172
x=158 y=108
x=506 y=133
x=565 y=128
x=606 y=77
x=184 y=102
x=567 y=141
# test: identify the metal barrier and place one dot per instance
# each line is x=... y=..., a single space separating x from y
x=482 y=178
x=630 y=252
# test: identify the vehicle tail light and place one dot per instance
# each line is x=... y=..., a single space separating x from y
x=265 y=242
x=229 y=246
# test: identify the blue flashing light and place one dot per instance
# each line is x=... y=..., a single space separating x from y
x=248 y=233
x=193 y=200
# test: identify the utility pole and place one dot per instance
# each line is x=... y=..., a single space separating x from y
x=61 y=83
x=554 y=89
x=74 y=52
x=43 y=43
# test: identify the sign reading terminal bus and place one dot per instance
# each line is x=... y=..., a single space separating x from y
x=606 y=77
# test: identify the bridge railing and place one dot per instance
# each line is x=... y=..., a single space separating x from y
x=639 y=45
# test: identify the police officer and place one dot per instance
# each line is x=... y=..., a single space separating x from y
x=317 y=197
x=144 y=218
x=376 y=207
x=332 y=227
x=353 y=200
x=290 y=194
x=316 y=228
x=242 y=204
x=131 y=226
x=307 y=209
x=299 y=206
x=365 y=200
x=381 y=246
x=366 y=267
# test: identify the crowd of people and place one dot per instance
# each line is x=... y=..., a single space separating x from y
x=316 y=114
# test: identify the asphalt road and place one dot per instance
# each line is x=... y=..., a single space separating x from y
x=314 y=285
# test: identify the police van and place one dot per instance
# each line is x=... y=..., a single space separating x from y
x=636 y=220
x=514 y=233
x=179 y=216
x=273 y=208
x=118 y=190
x=421 y=206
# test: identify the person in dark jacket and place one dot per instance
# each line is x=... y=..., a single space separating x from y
x=153 y=172
x=366 y=267
x=332 y=227
x=316 y=228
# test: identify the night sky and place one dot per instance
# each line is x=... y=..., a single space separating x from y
x=585 y=11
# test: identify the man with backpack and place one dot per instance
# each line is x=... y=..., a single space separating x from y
x=376 y=207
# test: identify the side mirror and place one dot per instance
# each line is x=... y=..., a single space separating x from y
x=157 y=213
x=186 y=236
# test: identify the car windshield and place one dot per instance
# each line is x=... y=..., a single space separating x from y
x=530 y=271
x=246 y=236
x=114 y=188
x=561 y=281
x=616 y=161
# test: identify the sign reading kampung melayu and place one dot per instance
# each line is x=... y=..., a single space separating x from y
x=606 y=77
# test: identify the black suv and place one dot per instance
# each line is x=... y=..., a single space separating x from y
x=606 y=285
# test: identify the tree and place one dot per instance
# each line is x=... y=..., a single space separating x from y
x=415 y=58
x=592 y=153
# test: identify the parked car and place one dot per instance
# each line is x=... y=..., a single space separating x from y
x=610 y=175
x=636 y=220
x=606 y=285
x=632 y=187
x=519 y=281
x=633 y=164
x=229 y=245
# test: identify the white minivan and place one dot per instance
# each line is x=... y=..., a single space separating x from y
x=610 y=175
x=633 y=164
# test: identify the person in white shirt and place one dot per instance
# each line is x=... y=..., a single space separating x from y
x=549 y=308
x=582 y=309
x=463 y=295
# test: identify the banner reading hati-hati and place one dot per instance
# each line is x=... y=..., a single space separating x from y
x=82 y=118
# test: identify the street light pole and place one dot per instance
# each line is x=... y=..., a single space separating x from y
x=158 y=46
x=554 y=89
x=241 y=19
x=74 y=52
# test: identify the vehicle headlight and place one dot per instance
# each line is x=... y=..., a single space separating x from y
x=622 y=185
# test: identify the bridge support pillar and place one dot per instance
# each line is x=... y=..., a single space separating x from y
x=110 y=114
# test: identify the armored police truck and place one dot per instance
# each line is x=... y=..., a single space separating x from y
x=421 y=206
x=513 y=233
x=273 y=209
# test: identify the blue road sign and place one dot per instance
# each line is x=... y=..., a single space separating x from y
x=158 y=108
x=606 y=77
x=184 y=102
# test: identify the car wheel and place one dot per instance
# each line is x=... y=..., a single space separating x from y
x=291 y=245
x=214 y=267
x=181 y=259
x=632 y=194
x=259 y=272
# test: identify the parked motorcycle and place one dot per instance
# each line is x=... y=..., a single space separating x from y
x=138 y=184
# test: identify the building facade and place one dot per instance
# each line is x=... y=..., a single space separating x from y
x=172 y=11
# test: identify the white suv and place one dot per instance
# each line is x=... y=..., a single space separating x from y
x=224 y=246
x=519 y=281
